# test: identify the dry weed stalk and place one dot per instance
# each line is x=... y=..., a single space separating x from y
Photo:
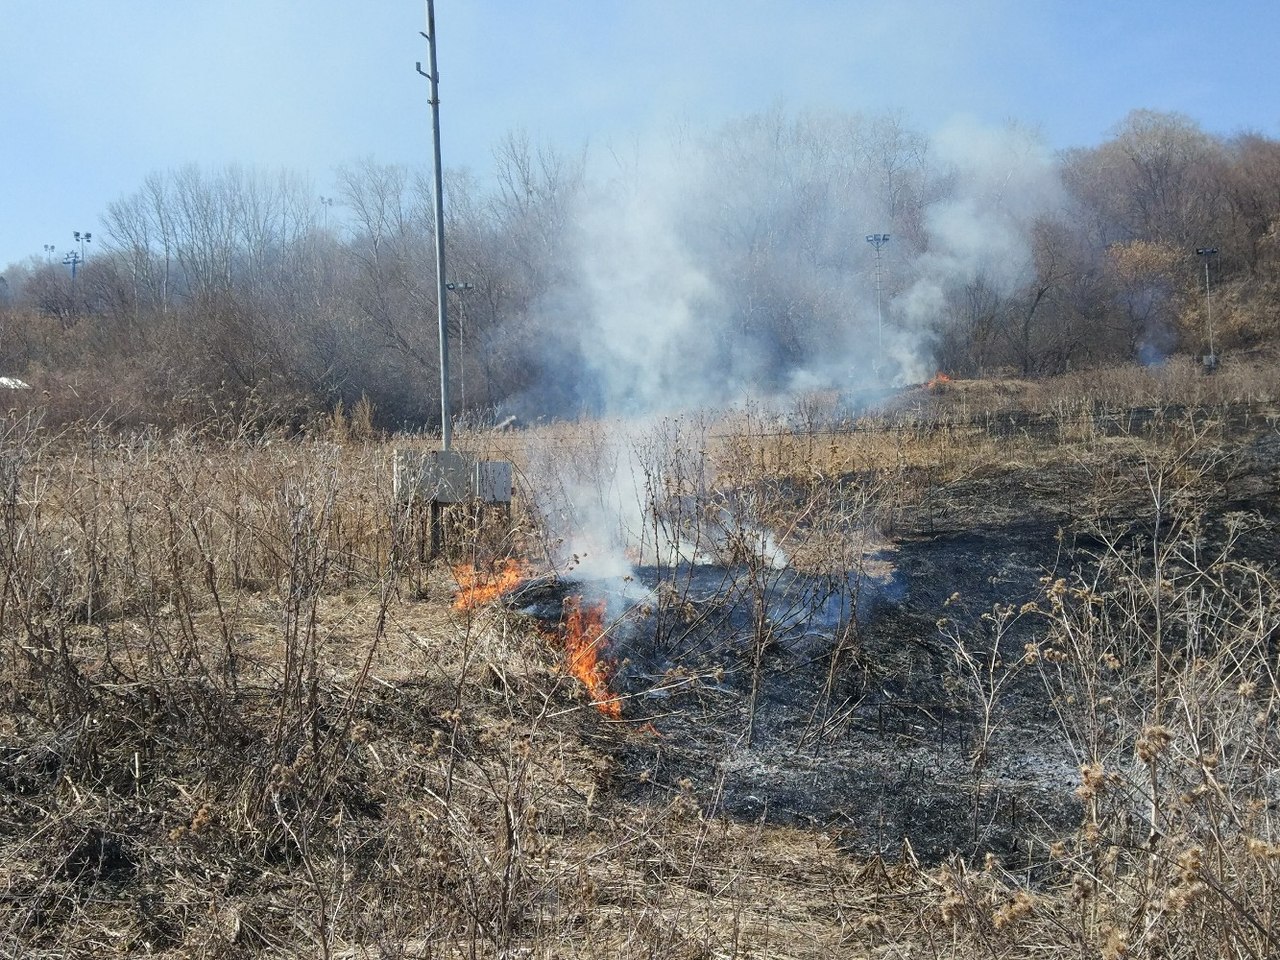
x=240 y=721
x=1162 y=669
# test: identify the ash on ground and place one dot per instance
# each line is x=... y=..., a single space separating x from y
x=839 y=704
x=835 y=703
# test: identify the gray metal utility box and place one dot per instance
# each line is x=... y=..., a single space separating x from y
x=446 y=476
x=493 y=483
x=437 y=478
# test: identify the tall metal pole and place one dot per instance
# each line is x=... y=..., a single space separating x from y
x=72 y=259
x=878 y=240
x=461 y=289
x=879 y=308
x=433 y=74
x=1208 y=305
x=1208 y=253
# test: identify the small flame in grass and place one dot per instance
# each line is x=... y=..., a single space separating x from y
x=582 y=632
x=938 y=383
x=477 y=586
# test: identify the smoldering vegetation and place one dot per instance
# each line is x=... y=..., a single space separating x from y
x=708 y=266
x=995 y=667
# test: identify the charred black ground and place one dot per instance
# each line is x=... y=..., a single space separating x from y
x=853 y=724
x=839 y=704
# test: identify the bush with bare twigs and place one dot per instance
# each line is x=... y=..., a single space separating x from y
x=242 y=717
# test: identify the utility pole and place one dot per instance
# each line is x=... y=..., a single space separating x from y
x=446 y=476
x=73 y=259
x=878 y=240
x=432 y=73
x=1210 y=361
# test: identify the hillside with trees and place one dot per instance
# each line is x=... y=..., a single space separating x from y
x=729 y=258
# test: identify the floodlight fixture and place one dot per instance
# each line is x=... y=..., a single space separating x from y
x=82 y=237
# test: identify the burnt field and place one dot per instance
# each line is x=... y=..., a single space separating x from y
x=984 y=669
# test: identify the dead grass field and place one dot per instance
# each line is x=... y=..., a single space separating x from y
x=243 y=718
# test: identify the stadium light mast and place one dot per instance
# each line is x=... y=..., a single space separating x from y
x=878 y=240
x=1210 y=361
x=433 y=75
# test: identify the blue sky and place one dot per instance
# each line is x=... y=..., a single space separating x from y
x=96 y=95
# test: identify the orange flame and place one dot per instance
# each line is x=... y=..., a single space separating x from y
x=477 y=586
x=582 y=633
x=939 y=381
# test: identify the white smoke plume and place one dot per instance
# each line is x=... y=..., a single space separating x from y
x=734 y=267
x=651 y=308
x=1003 y=180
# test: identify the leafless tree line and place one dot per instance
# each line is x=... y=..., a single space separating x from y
x=235 y=282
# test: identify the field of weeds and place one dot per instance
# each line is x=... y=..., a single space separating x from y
x=244 y=715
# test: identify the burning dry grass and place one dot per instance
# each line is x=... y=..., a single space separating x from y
x=582 y=634
x=478 y=586
x=938 y=383
x=243 y=718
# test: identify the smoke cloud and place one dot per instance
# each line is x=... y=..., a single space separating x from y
x=1003 y=180
x=734 y=266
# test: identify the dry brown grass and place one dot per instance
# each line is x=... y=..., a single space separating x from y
x=242 y=719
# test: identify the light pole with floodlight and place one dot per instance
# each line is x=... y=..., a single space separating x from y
x=1208 y=253
x=878 y=240
x=460 y=289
